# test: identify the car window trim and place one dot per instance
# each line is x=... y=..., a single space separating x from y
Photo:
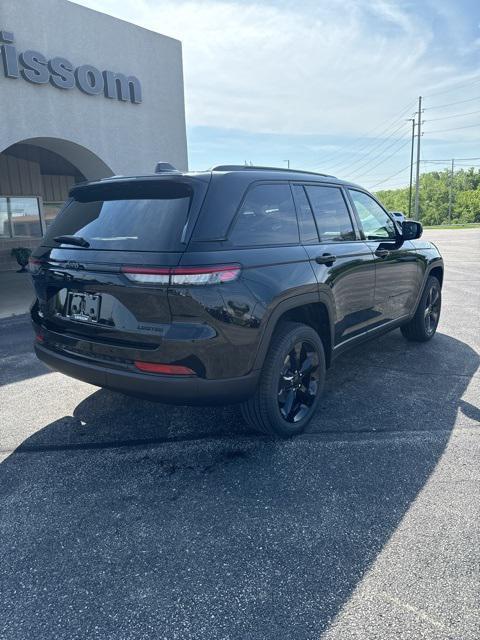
x=295 y=201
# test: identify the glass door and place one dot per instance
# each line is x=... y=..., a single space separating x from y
x=5 y=231
x=20 y=217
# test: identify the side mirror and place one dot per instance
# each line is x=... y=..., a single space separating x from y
x=411 y=230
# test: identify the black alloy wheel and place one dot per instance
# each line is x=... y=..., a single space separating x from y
x=298 y=384
x=423 y=325
x=291 y=382
x=432 y=309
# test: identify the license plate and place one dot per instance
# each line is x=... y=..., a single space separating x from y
x=83 y=306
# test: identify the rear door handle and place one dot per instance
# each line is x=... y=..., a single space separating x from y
x=382 y=253
x=325 y=258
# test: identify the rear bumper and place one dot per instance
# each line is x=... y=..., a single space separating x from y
x=168 y=389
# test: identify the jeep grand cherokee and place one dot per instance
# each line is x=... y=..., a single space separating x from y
x=239 y=284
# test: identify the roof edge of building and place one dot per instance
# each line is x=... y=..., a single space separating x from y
x=130 y=24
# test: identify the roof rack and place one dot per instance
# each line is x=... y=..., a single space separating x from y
x=242 y=167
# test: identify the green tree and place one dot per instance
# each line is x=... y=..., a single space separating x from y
x=396 y=200
x=434 y=197
x=467 y=206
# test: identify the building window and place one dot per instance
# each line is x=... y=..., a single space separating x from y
x=4 y=219
x=20 y=217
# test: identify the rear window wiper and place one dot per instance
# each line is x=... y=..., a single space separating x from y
x=74 y=240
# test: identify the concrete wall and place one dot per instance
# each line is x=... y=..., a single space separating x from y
x=19 y=177
x=127 y=138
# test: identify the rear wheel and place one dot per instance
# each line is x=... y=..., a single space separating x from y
x=423 y=325
x=291 y=382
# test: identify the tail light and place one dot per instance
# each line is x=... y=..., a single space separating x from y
x=147 y=275
x=205 y=275
x=165 y=369
x=34 y=265
x=215 y=274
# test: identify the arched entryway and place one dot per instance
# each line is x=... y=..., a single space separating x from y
x=35 y=177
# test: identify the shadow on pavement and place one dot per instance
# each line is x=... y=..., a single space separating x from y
x=16 y=351
x=214 y=532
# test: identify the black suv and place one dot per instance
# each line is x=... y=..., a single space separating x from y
x=239 y=284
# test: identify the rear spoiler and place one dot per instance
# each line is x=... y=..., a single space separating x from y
x=131 y=187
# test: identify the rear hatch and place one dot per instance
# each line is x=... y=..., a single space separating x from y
x=85 y=271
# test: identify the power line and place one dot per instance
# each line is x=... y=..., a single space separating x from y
x=379 y=130
x=465 y=164
x=390 y=187
x=442 y=165
x=357 y=171
x=450 y=104
x=455 y=115
x=468 y=126
x=348 y=167
x=403 y=183
x=385 y=159
x=392 y=176
x=454 y=88
x=393 y=187
x=380 y=177
x=449 y=159
x=340 y=157
x=373 y=141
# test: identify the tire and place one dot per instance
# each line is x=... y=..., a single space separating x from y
x=423 y=325
x=268 y=409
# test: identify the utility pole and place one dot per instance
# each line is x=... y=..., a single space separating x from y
x=288 y=163
x=412 y=120
x=450 y=192
x=419 y=137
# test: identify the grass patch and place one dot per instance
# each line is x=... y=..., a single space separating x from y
x=453 y=226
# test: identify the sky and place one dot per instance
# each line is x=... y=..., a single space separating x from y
x=326 y=85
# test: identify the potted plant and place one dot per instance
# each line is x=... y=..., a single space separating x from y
x=22 y=254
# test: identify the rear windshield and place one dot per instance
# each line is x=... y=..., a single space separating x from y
x=126 y=218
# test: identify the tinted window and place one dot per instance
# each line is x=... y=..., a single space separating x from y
x=119 y=222
x=374 y=220
x=308 y=230
x=267 y=216
x=331 y=213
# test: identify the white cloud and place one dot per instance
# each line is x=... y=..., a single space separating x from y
x=325 y=67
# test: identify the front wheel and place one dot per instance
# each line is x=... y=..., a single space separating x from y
x=423 y=325
x=291 y=382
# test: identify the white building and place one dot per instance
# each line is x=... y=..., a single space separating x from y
x=82 y=96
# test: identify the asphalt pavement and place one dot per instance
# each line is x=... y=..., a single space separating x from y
x=123 y=519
